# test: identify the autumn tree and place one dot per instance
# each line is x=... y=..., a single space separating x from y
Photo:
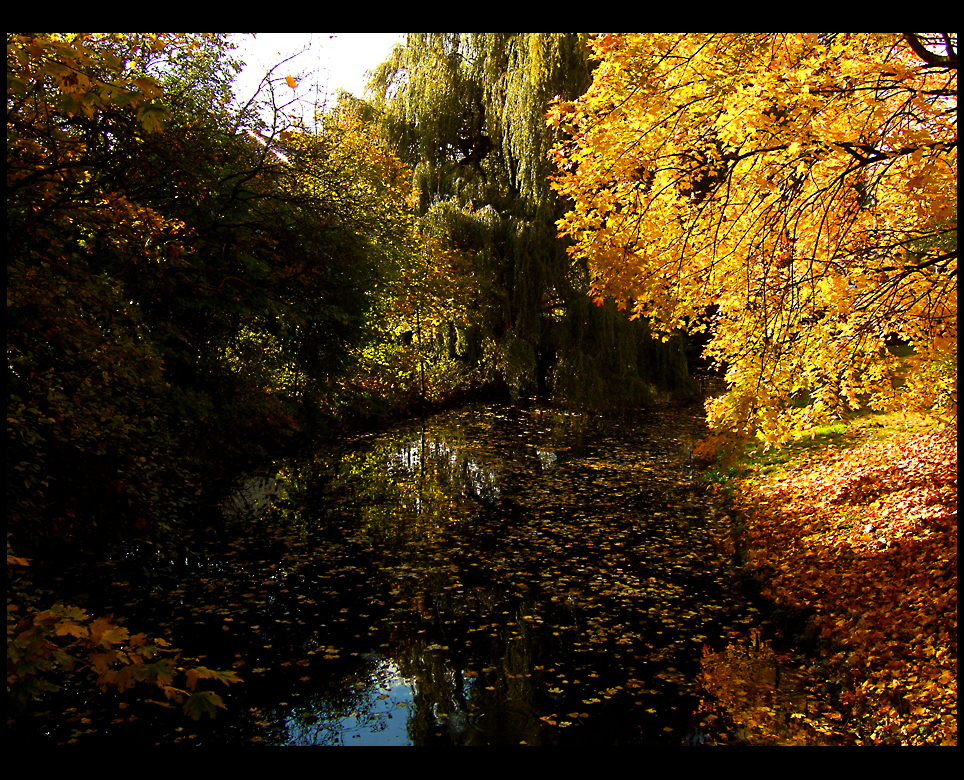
x=794 y=193
x=98 y=427
x=81 y=366
x=188 y=275
x=185 y=278
x=467 y=112
x=415 y=279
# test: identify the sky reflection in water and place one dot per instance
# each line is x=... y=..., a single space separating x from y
x=490 y=576
x=533 y=578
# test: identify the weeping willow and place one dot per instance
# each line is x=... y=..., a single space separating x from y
x=467 y=112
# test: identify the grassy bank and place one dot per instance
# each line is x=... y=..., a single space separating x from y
x=854 y=528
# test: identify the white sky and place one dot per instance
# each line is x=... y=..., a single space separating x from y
x=337 y=60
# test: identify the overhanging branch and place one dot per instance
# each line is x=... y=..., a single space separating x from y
x=932 y=58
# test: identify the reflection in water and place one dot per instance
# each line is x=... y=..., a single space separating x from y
x=418 y=484
x=767 y=704
x=489 y=576
x=376 y=715
x=547 y=458
x=536 y=578
x=430 y=466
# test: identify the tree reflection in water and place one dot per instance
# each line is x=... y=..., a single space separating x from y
x=547 y=579
x=489 y=576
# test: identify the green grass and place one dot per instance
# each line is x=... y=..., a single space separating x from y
x=753 y=459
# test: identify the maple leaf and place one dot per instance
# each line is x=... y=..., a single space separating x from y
x=105 y=633
x=67 y=620
x=203 y=703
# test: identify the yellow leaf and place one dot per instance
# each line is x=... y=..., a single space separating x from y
x=291 y=81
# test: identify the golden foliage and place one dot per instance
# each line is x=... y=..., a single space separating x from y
x=796 y=193
x=865 y=540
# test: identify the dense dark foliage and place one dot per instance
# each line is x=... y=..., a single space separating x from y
x=179 y=293
x=196 y=286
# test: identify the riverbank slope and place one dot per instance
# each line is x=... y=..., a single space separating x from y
x=854 y=530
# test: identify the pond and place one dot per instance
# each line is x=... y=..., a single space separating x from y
x=491 y=575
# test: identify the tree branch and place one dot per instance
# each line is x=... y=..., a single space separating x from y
x=931 y=58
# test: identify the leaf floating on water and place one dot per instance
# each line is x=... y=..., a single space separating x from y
x=572 y=577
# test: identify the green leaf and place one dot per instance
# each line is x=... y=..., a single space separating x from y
x=203 y=703
x=153 y=117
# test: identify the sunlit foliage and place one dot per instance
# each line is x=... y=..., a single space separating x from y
x=864 y=539
x=797 y=193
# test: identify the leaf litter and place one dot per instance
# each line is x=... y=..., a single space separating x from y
x=863 y=537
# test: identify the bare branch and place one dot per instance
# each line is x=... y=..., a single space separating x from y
x=931 y=58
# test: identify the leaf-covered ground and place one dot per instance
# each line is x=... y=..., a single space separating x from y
x=860 y=533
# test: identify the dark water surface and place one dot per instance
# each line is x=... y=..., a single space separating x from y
x=491 y=575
